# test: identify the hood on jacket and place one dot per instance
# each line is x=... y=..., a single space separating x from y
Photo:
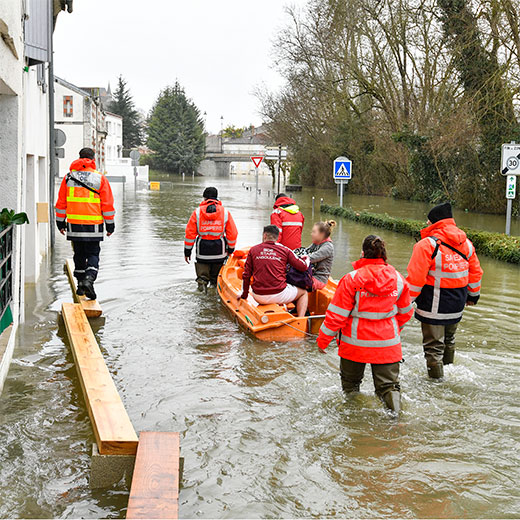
x=447 y=231
x=209 y=208
x=83 y=164
x=287 y=204
x=375 y=276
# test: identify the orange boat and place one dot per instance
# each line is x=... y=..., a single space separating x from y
x=271 y=322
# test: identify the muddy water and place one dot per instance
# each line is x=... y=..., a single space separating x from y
x=265 y=431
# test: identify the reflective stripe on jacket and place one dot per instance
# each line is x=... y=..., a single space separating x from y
x=443 y=282
x=85 y=202
x=289 y=220
x=212 y=230
x=369 y=309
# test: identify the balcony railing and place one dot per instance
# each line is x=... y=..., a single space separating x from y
x=6 y=276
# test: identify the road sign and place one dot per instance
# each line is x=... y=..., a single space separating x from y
x=60 y=153
x=511 y=187
x=59 y=137
x=342 y=169
x=135 y=155
x=510 y=163
x=273 y=154
x=257 y=160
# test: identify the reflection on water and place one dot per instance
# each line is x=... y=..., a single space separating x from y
x=265 y=431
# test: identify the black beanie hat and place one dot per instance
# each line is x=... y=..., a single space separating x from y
x=210 y=193
x=440 y=212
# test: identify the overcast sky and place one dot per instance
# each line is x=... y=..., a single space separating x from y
x=219 y=50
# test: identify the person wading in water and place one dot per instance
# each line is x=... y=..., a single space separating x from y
x=369 y=310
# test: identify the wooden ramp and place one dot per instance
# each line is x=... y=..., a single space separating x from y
x=114 y=432
x=91 y=307
x=155 y=484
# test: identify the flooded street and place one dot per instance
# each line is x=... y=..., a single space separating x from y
x=265 y=430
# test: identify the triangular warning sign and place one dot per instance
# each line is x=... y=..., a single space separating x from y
x=257 y=161
x=342 y=171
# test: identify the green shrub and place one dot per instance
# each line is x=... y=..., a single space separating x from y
x=495 y=245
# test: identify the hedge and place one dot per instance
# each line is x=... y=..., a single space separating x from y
x=495 y=245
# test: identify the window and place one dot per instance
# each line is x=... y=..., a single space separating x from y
x=68 y=106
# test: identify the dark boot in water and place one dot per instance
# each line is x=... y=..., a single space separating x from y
x=435 y=371
x=88 y=286
x=392 y=401
x=448 y=356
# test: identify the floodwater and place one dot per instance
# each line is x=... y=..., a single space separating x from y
x=265 y=430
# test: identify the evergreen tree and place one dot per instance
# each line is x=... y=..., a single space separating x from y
x=175 y=132
x=123 y=105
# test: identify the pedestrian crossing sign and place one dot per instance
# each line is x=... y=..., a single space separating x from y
x=342 y=169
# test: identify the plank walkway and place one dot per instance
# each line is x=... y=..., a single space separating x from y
x=155 y=484
x=91 y=307
x=114 y=432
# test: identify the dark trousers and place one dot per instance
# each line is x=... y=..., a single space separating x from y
x=386 y=376
x=207 y=273
x=86 y=259
x=438 y=343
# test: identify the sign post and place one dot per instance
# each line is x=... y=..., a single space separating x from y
x=342 y=174
x=257 y=160
x=510 y=167
x=135 y=156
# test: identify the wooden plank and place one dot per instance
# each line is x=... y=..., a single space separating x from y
x=155 y=484
x=91 y=307
x=114 y=432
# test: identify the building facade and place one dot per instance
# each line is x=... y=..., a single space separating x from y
x=26 y=28
x=83 y=119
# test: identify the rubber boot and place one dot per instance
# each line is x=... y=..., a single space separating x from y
x=88 y=285
x=448 y=356
x=202 y=285
x=80 y=291
x=435 y=371
x=392 y=401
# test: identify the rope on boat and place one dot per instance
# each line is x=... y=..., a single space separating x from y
x=299 y=330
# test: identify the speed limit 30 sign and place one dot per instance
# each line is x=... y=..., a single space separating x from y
x=510 y=164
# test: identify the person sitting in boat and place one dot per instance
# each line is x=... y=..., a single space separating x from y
x=321 y=253
x=368 y=310
x=267 y=264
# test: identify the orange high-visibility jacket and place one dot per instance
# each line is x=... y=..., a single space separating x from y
x=444 y=273
x=85 y=203
x=212 y=230
x=370 y=307
x=289 y=220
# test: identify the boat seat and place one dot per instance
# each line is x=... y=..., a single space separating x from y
x=240 y=273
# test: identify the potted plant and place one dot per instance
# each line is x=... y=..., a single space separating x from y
x=8 y=217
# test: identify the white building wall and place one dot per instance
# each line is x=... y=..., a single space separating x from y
x=35 y=157
x=114 y=140
x=72 y=126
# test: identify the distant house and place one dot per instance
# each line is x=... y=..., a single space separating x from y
x=83 y=119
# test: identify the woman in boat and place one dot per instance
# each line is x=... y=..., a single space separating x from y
x=321 y=253
x=369 y=310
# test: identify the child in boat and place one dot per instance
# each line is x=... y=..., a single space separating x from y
x=321 y=253
x=366 y=315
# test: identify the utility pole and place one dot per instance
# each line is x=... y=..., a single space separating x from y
x=52 y=144
x=279 y=163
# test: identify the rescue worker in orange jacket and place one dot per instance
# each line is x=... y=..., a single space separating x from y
x=84 y=208
x=444 y=274
x=289 y=220
x=366 y=315
x=212 y=230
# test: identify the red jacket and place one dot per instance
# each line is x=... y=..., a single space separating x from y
x=369 y=309
x=85 y=203
x=267 y=264
x=441 y=280
x=212 y=230
x=289 y=220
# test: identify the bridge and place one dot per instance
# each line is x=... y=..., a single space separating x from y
x=222 y=151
